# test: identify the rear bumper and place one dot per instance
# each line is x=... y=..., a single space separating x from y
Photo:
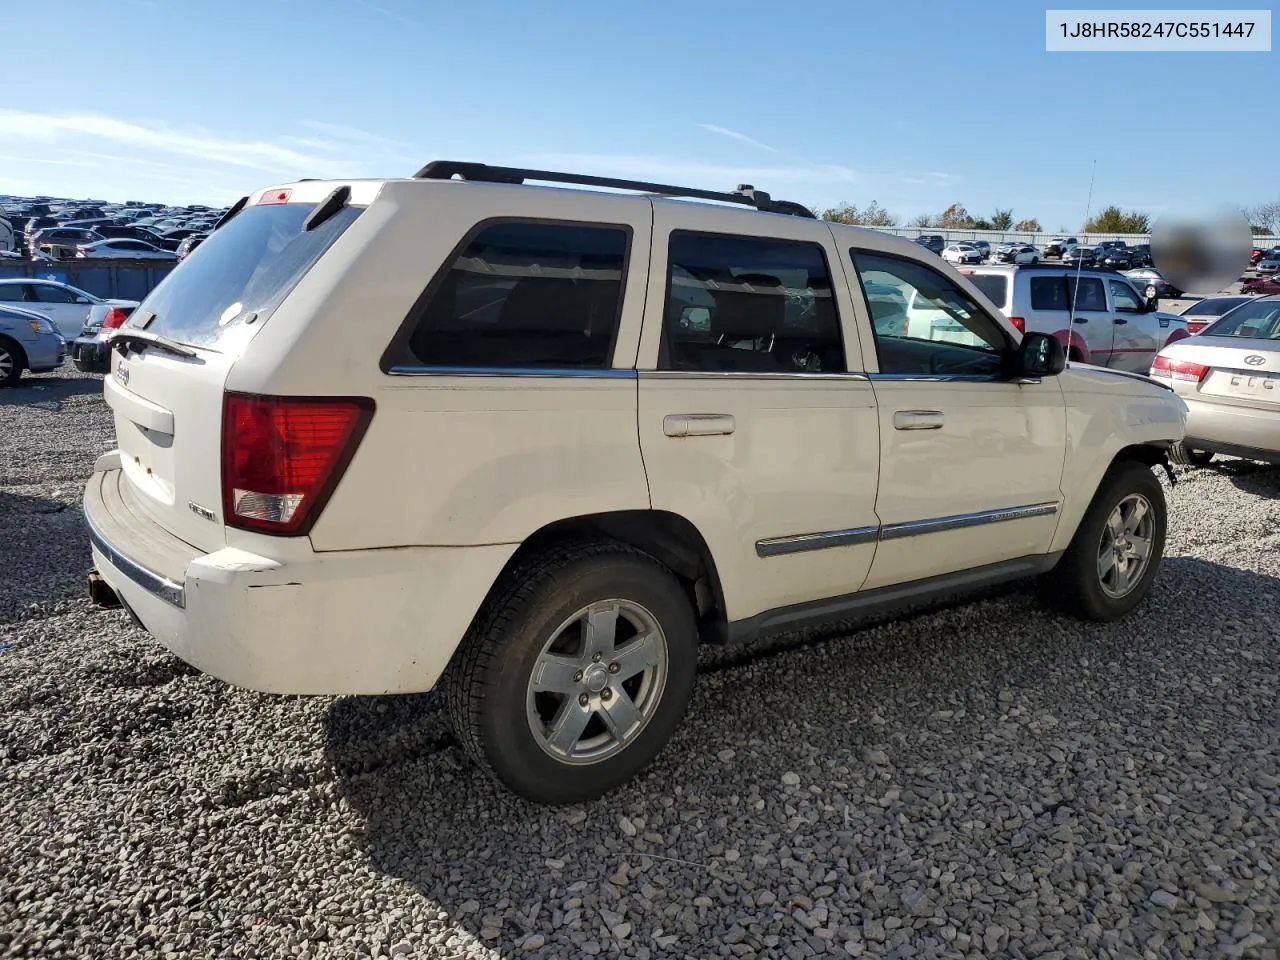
x=1233 y=431
x=346 y=622
x=90 y=355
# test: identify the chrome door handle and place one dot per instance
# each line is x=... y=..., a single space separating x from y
x=698 y=424
x=918 y=420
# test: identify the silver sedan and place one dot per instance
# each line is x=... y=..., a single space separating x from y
x=1229 y=377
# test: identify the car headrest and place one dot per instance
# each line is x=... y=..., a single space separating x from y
x=749 y=307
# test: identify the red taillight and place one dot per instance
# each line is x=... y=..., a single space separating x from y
x=1178 y=369
x=114 y=319
x=275 y=196
x=1019 y=324
x=283 y=456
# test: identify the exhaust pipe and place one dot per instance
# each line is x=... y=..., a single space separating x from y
x=100 y=592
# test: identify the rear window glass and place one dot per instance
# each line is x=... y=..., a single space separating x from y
x=1211 y=308
x=1048 y=293
x=247 y=267
x=1258 y=320
x=994 y=286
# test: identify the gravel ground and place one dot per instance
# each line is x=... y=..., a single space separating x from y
x=980 y=781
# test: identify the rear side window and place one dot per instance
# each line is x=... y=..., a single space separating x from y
x=1048 y=293
x=247 y=267
x=994 y=286
x=739 y=304
x=525 y=294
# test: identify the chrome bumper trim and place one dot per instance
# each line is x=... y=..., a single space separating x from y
x=153 y=583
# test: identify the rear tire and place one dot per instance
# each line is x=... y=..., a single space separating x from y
x=12 y=362
x=1116 y=551
x=576 y=672
x=1180 y=453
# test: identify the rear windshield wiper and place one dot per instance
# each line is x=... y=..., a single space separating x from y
x=141 y=341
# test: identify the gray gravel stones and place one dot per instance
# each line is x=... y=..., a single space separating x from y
x=981 y=781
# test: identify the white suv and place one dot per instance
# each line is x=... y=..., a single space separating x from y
x=535 y=444
x=1098 y=315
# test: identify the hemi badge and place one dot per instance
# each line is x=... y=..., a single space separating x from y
x=200 y=511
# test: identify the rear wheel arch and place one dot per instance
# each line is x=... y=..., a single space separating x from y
x=1073 y=344
x=669 y=538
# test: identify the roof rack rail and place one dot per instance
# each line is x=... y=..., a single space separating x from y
x=484 y=173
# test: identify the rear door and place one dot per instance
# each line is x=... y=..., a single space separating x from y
x=168 y=408
x=756 y=420
x=1136 y=332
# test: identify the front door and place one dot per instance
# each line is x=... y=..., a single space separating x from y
x=970 y=462
x=756 y=421
x=1135 y=340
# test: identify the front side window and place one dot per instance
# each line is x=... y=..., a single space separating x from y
x=945 y=331
x=1125 y=299
x=749 y=305
x=48 y=293
x=525 y=294
x=12 y=292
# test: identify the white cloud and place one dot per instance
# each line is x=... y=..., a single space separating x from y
x=54 y=130
x=125 y=155
x=734 y=135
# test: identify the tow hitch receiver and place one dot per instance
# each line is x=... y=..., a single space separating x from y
x=100 y=592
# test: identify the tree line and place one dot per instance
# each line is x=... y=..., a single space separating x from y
x=1264 y=219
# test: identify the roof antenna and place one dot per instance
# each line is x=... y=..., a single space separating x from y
x=1075 y=292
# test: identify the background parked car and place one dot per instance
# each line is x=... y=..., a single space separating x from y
x=91 y=351
x=1203 y=312
x=1056 y=246
x=1076 y=255
x=933 y=241
x=62 y=242
x=1140 y=255
x=1229 y=377
x=67 y=306
x=1267 y=285
x=123 y=250
x=1269 y=263
x=1112 y=257
x=1099 y=317
x=961 y=253
x=28 y=341
x=1152 y=282
x=1017 y=253
x=983 y=247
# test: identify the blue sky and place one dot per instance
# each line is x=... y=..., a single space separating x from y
x=915 y=103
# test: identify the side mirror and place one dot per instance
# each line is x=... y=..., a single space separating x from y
x=1040 y=355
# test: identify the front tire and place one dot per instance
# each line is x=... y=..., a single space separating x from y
x=1116 y=551
x=576 y=673
x=12 y=362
